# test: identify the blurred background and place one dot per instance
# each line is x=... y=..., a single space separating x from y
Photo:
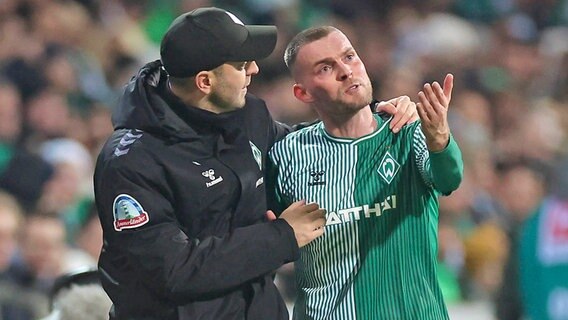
x=503 y=235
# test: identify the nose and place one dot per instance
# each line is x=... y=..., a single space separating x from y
x=345 y=71
x=252 y=68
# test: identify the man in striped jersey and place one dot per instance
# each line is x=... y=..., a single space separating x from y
x=377 y=257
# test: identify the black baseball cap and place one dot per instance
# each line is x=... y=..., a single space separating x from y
x=205 y=38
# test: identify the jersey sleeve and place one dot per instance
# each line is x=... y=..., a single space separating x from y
x=177 y=267
x=442 y=170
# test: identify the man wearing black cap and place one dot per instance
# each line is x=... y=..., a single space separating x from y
x=180 y=187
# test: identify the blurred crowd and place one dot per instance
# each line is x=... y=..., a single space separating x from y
x=503 y=235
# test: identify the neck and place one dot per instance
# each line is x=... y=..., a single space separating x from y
x=353 y=126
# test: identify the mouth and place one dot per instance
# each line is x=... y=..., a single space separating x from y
x=353 y=88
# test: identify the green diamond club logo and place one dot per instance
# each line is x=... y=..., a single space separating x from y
x=257 y=155
x=388 y=168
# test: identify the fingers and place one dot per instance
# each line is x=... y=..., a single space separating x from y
x=387 y=107
x=431 y=95
x=311 y=207
x=448 y=87
x=297 y=204
x=437 y=101
x=308 y=222
x=318 y=217
x=421 y=112
x=425 y=110
x=402 y=109
x=270 y=215
x=440 y=95
x=406 y=114
x=433 y=108
x=392 y=102
x=300 y=208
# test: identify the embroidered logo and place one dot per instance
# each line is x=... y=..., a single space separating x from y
x=256 y=154
x=388 y=168
x=316 y=178
x=154 y=78
x=128 y=213
x=211 y=175
x=126 y=142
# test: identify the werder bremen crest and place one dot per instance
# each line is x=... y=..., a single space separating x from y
x=388 y=168
x=257 y=155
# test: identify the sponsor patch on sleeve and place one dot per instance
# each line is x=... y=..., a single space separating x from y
x=128 y=213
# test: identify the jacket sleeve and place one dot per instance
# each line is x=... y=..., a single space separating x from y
x=443 y=170
x=165 y=259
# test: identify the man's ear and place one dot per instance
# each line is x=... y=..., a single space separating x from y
x=302 y=94
x=203 y=81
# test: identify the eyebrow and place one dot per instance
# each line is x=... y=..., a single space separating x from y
x=328 y=59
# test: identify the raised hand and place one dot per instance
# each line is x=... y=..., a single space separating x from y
x=402 y=109
x=307 y=220
x=433 y=112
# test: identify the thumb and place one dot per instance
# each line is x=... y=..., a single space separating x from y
x=270 y=215
x=448 y=86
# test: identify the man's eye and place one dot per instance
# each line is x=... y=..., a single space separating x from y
x=325 y=69
x=350 y=56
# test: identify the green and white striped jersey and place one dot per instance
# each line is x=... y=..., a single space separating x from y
x=377 y=257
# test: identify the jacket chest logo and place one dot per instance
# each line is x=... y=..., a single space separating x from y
x=210 y=174
x=256 y=154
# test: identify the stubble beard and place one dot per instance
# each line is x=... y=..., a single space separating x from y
x=227 y=103
x=362 y=101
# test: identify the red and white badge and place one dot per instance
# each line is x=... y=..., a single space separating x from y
x=128 y=213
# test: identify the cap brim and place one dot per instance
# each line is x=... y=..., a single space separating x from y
x=259 y=44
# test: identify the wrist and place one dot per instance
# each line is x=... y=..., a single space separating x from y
x=438 y=143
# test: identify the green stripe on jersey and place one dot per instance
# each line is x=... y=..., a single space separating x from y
x=377 y=257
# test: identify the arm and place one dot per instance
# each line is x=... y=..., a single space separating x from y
x=445 y=161
x=177 y=267
x=447 y=167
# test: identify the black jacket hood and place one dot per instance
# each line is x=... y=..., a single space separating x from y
x=141 y=107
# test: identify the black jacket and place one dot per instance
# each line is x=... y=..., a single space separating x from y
x=182 y=203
